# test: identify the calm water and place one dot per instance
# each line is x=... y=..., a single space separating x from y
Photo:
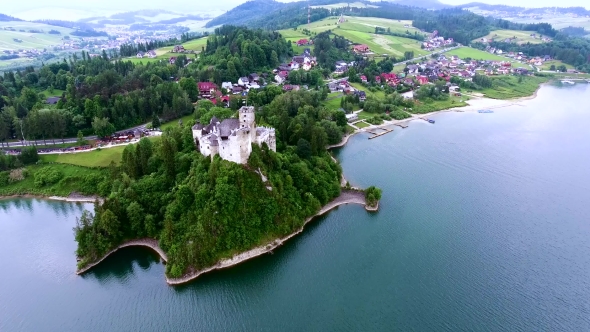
x=484 y=226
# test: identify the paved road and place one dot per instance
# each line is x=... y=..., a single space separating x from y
x=65 y=140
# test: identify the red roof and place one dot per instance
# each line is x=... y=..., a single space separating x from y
x=302 y=42
x=422 y=79
x=207 y=86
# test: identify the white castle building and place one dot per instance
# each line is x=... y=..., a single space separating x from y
x=232 y=139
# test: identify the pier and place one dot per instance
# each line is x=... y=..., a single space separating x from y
x=404 y=125
x=377 y=134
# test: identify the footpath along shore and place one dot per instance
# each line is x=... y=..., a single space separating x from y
x=346 y=197
x=72 y=198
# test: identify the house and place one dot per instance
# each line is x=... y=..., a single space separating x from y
x=227 y=85
x=243 y=81
x=360 y=48
x=333 y=86
x=253 y=77
x=52 y=100
x=232 y=139
x=363 y=78
x=178 y=49
x=288 y=87
x=303 y=42
x=413 y=69
x=151 y=54
x=236 y=90
x=172 y=60
x=361 y=94
x=281 y=76
x=352 y=117
x=207 y=89
x=140 y=55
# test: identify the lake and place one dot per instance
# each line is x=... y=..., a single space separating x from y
x=484 y=225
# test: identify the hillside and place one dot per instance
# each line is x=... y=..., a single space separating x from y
x=5 y=18
x=15 y=35
x=247 y=12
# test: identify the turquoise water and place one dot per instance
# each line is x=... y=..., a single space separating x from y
x=484 y=226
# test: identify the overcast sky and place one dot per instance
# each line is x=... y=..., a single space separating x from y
x=31 y=8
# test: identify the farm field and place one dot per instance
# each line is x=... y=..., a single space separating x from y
x=468 y=52
x=165 y=54
x=20 y=30
x=369 y=24
x=522 y=37
x=383 y=45
x=547 y=65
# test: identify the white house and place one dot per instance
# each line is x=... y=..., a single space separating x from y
x=227 y=85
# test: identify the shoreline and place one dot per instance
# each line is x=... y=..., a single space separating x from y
x=346 y=197
x=474 y=104
x=73 y=198
x=150 y=243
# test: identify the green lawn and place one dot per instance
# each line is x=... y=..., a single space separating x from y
x=468 y=52
x=96 y=158
x=55 y=93
x=165 y=54
x=437 y=105
x=522 y=37
x=547 y=65
x=362 y=124
x=508 y=87
x=72 y=177
x=174 y=123
x=378 y=94
x=383 y=44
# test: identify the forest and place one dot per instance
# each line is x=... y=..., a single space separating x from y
x=202 y=210
x=99 y=96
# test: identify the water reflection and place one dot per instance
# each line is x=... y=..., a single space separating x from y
x=62 y=209
x=120 y=266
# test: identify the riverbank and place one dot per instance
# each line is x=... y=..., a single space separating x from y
x=346 y=197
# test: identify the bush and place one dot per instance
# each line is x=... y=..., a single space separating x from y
x=29 y=155
x=372 y=195
x=16 y=175
x=47 y=176
x=4 y=178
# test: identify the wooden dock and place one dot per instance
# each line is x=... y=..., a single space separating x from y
x=404 y=125
x=377 y=134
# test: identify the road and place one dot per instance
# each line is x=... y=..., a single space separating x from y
x=49 y=142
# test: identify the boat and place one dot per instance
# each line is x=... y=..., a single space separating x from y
x=430 y=121
x=485 y=111
x=568 y=82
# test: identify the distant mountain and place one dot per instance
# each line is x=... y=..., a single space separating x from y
x=427 y=4
x=6 y=18
x=523 y=10
x=248 y=11
x=146 y=16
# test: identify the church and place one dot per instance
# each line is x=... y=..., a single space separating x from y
x=232 y=139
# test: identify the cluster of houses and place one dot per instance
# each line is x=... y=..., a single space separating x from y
x=304 y=61
x=212 y=92
x=149 y=54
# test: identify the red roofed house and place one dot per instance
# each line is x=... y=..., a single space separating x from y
x=361 y=48
x=363 y=78
x=207 y=89
x=302 y=42
x=378 y=79
x=422 y=80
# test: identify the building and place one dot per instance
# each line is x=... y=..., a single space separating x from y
x=361 y=48
x=178 y=49
x=232 y=139
x=207 y=89
x=352 y=117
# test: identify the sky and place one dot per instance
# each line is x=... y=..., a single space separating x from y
x=64 y=9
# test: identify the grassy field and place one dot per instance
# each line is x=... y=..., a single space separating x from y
x=383 y=45
x=362 y=124
x=522 y=37
x=368 y=24
x=165 y=54
x=96 y=158
x=174 y=123
x=547 y=65
x=468 y=52
x=508 y=87
x=72 y=175
x=55 y=93
x=378 y=94
x=20 y=30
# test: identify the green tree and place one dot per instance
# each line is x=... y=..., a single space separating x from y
x=155 y=121
x=190 y=87
x=80 y=139
x=102 y=127
x=303 y=149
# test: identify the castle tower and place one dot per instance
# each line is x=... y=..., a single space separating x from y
x=248 y=120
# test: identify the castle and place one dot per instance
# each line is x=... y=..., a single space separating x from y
x=232 y=139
